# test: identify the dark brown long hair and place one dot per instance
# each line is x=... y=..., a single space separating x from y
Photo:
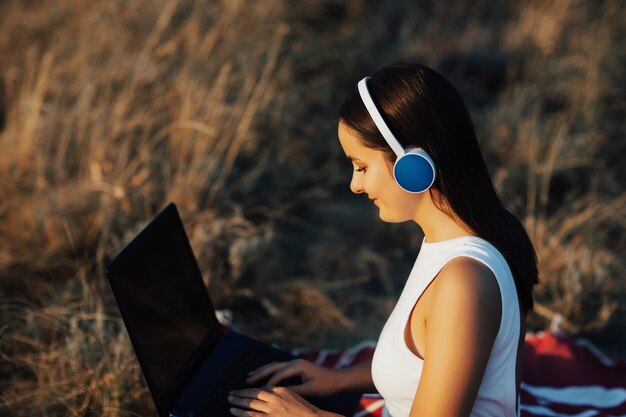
x=423 y=109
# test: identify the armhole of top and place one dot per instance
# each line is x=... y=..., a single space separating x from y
x=519 y=357
x=407 y=322
x=517 y=371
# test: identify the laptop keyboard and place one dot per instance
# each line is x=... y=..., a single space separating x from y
x=249 y=357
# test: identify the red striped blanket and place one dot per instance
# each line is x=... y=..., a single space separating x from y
x=563 y=376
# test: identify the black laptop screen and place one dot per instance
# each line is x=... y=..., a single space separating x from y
x=165 y=304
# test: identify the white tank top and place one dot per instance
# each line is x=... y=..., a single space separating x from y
x=396 y=371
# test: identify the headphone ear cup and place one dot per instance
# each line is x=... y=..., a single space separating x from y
x=414 y=171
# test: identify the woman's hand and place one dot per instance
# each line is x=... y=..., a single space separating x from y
x=316 y=380
x=270 y=401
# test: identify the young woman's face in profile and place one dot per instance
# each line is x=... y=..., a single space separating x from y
x=373 y=176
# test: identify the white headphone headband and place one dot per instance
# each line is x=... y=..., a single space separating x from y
x=378 y=119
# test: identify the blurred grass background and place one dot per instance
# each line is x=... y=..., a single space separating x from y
x=111 y=109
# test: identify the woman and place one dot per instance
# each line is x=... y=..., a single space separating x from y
x=453 y=344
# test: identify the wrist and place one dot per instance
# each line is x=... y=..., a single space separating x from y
x=322 y=413
x=342 y=380
x=355 y=378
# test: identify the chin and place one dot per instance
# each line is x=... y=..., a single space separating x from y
x=390 y=218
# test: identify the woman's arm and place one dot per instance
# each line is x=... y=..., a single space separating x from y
x=316 y=379
x=286 y=401
x=461 y=325
x=356 y=378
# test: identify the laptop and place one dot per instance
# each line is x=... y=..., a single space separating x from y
x=188 y=360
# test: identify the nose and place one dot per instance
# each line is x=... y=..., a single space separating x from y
x=356 y=185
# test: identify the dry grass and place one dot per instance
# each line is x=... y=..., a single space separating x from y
x=109 y=109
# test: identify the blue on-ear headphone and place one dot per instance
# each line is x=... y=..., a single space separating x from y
x=413 y=170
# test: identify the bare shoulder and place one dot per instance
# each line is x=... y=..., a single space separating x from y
x=467 y=289
x=465 y=277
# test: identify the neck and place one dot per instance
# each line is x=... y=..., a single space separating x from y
x=437 y=225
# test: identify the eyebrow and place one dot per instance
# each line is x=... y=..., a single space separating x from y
x=352 y=158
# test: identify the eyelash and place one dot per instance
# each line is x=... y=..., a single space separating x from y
x=360 y=169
